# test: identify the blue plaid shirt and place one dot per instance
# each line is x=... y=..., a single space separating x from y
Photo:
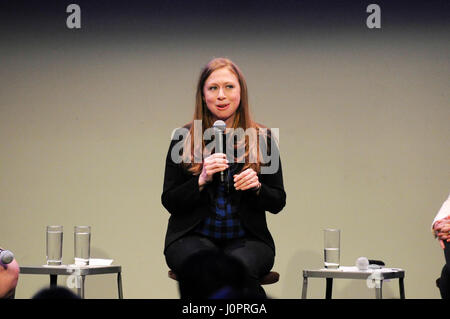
x=225 y=224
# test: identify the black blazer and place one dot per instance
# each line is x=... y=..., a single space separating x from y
x=188 y=206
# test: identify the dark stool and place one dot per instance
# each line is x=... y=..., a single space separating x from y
x=271 y=278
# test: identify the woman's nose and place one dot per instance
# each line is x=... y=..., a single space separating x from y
x=221 y=94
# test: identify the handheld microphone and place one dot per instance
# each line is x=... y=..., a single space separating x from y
x=6 y=257
x=362 y=263
x=219 y=129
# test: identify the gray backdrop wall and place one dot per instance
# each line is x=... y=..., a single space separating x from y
x=86 y=117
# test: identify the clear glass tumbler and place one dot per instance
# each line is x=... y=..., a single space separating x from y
x=332 y=249
x=54 y=244
x=82 y=245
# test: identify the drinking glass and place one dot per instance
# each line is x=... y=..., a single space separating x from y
x=54 y=243
x=82 y=245
x=332 y=251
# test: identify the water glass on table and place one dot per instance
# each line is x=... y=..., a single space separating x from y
x=82 y=243
x=332 y=251
x=54 y=243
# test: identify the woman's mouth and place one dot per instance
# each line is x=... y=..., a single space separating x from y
x=222 y=106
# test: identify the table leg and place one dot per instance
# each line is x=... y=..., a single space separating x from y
x=53 y=281
x=402 y=288
x=329 y=288
x=119 y=285
x=378 y=290
x=80 y=286
x=305 y=287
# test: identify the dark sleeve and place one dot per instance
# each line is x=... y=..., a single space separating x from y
x=272 y=197
x=447 y=253
x=180 y=190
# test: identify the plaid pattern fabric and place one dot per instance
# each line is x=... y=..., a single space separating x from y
x=225 y=224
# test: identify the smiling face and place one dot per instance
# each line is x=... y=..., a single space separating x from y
x=222 y=95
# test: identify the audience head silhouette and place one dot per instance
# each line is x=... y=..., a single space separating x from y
x=55 y=293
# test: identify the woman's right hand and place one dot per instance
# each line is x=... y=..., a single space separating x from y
x=442 y=230
x=214 y=163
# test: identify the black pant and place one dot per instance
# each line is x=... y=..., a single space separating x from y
x=444 y=282
x=256 y=256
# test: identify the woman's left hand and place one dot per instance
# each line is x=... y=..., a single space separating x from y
x=442 y=230
x=247 y=179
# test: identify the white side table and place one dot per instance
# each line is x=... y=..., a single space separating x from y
x=377 y=276
x=79 y=271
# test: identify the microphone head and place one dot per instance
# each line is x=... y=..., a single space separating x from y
x=6 y=257
x=362 y=263
x=220 y=125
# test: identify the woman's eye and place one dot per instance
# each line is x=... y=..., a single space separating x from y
x=230 y=86
x=212 y=88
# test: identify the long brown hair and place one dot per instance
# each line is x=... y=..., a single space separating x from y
x=242 y=119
